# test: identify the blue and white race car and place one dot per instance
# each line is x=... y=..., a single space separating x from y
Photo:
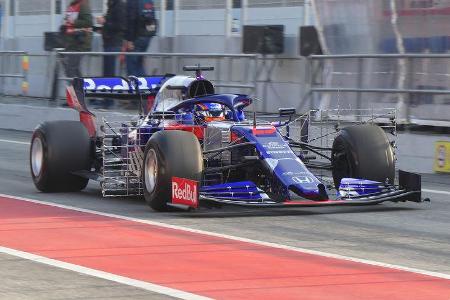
x=191 y=147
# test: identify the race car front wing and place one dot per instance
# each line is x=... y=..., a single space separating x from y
x=408 y=189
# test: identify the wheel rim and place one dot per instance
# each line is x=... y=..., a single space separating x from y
x=37 y=156
x=151 y=170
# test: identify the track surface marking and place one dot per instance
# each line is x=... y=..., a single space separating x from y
x=435 y=192
x=104 y=275
x=14 y=142
x=200 y=264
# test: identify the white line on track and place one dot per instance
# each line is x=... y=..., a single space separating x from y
x=14 y=142
x=104 y=275
x=240 y=239
x=436 y=192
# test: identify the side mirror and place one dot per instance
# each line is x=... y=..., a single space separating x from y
x=287 y=112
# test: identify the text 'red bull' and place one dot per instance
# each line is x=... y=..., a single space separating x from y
x=185 y=192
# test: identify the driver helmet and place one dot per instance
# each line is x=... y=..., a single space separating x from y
x=211 y=111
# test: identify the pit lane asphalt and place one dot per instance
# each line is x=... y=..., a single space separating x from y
x=407 y=234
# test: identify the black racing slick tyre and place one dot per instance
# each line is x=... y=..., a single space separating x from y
x=363 y=152
x=58 y=149
x=169 y=153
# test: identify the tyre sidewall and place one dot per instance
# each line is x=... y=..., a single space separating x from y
x=41 y=180
x=368 y=151
x=179 y=155
x=66 y=148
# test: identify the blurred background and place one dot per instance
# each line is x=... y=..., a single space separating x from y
x=411 y=37
x=306 y=54
x=317 y=54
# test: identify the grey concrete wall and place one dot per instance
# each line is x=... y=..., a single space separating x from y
x=416 y=150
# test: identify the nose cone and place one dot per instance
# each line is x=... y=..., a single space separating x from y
x=317 y=192
x=299 y=180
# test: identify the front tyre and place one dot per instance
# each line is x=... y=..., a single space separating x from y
x=169 y=153
x=363 y=152
x=58 y=149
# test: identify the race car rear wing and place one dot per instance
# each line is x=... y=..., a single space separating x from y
x=119 y=87
x=143 y=89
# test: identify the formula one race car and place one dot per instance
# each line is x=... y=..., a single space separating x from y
x=191 y=147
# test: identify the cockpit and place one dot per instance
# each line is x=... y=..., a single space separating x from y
x=192 y=100
x=180 y=88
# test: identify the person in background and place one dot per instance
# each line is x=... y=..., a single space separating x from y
x=77 y=32
x=141 y=27
x=113 y=31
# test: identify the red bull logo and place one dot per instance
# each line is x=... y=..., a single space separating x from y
x=185 y=192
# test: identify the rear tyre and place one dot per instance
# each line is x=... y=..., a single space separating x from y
x=169 y=154
x=363 y=152
x=58 y=149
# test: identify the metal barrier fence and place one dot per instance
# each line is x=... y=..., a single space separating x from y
x=237 y=71
x=416 y=84
x=14 y=65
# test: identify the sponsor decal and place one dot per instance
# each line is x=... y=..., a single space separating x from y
x=271 y=162
x=290 y=173
x=185 y=192
x=279 y=152
x=275 y=145
x=116 y=84
x=264 y=131
x=442 y=157
x=103 y=85
x=348 y=192
x=302 y=179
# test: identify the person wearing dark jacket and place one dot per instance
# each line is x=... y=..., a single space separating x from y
x=112 y=33
x=141 y=27
x=77 y=32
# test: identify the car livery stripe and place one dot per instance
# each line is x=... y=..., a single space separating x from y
x=196 y=263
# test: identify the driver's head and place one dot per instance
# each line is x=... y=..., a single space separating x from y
x=211 y=111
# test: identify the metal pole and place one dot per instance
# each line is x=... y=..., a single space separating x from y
x=410 y=70
x=63 y=7
x=306 y=12
x=7 y=18
x=176 y=6
x=228 y=17
x=311 y=79
x=255 y=77
x=15 y=17
x=307 y=82
x=244 y=12
x=2 y=71
x=359 y=82
x=401 y=105
x=52 y=15
x=218 y=71
x=55 y=83
x=162 y=18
